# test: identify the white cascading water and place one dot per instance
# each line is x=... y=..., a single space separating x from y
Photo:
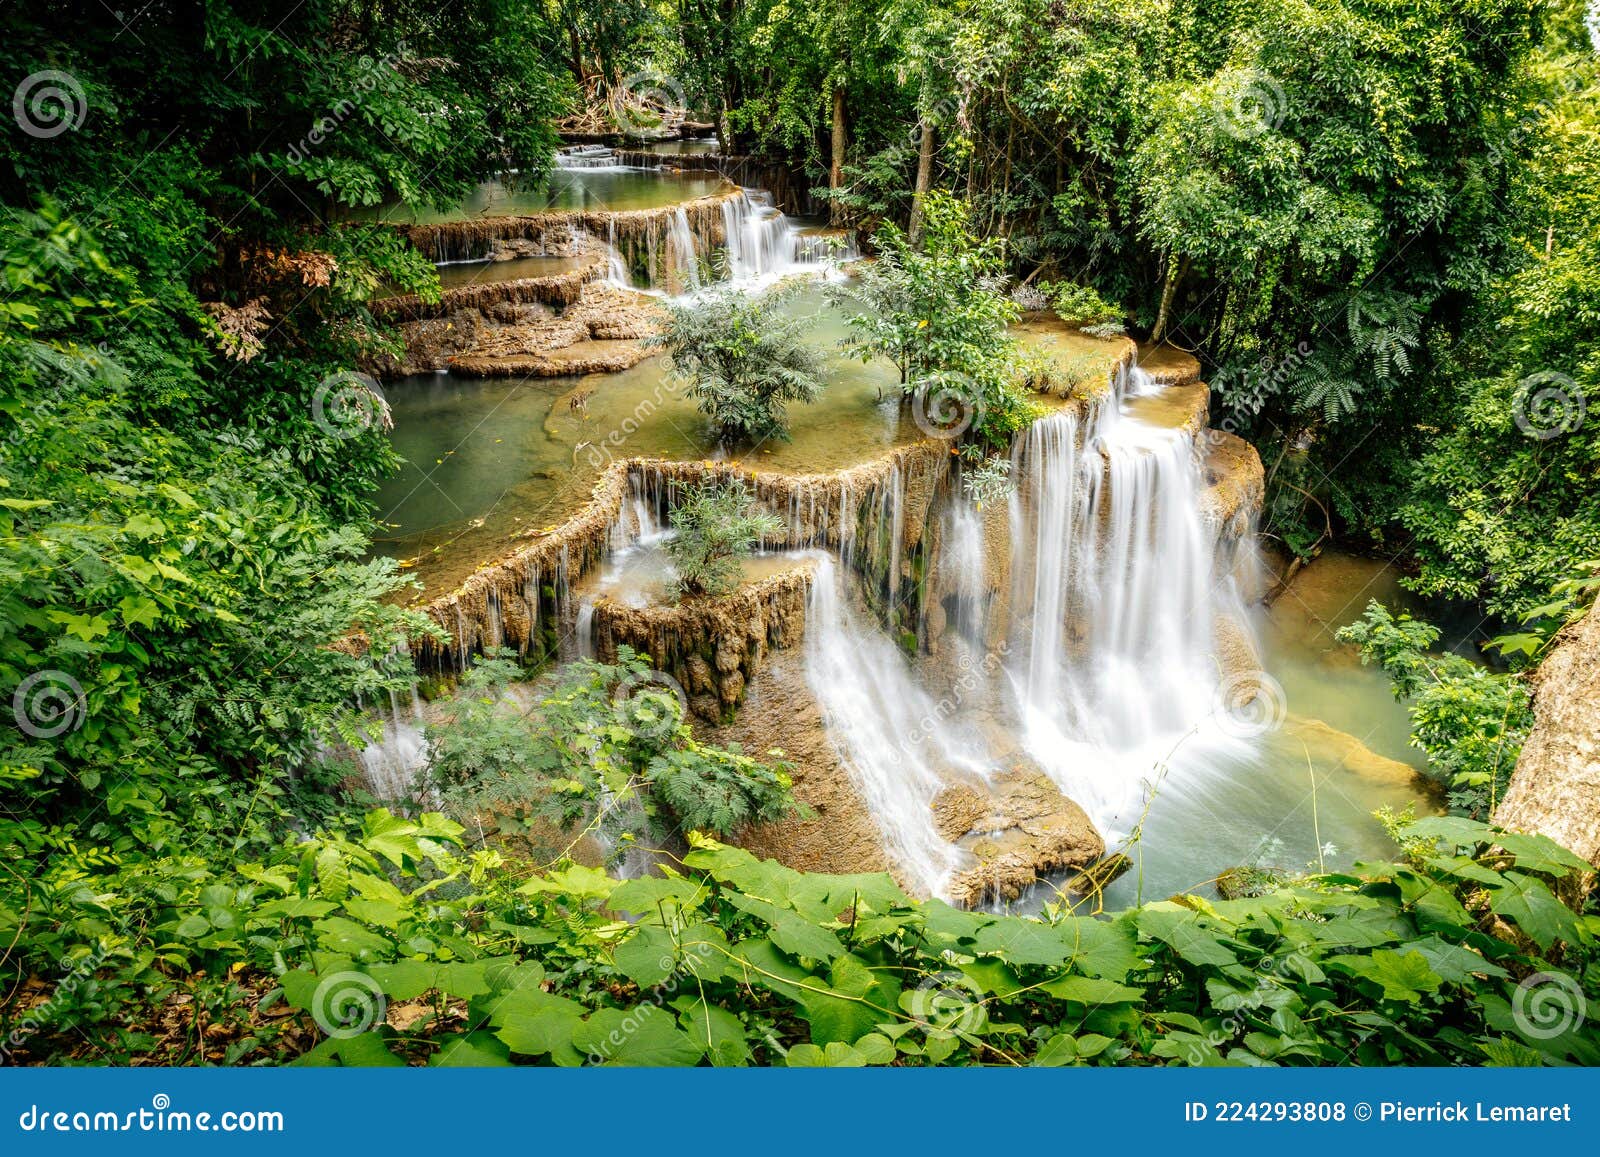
x=1109 y=666
x=760 y=246
x=588 y=158
x=877 y=715
x=681 y=255
x=1119 y=546
x=764 y=245
x=390 y=764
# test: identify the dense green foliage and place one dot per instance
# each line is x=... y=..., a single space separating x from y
x=1378 y=224
x=1447 y=955
x=745 y=360
x=1470 y=720
x=1375 y=223
x=935 y=310
x=606 y=749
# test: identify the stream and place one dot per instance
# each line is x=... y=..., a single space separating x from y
x=1100 y=648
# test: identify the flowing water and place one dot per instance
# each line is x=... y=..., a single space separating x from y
x=1112 y=679
x=486 y=458
x=1107 y=673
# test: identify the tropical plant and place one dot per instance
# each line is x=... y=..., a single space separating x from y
x=604 y=746
x=1471 y=721
x=715 y=527
x=745 y=360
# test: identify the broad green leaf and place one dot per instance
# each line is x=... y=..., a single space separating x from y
x=1404 y=976
x=643 y=1035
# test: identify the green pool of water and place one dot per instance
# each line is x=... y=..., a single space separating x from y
x=1307 y=798
x=487 y=459
x=593 y=189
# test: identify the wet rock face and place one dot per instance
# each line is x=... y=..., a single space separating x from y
x=521 y=330
x=1555 y=789
x=1029 y=831
x=713 y=648
x=780 y=713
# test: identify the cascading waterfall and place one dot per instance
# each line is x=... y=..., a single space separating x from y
x=683 y=261
x=1110 y=670
x=764 y=245
x=877 y=717
x=759 y=245
x=390 y=764
x=588 y=158
x=1116 y=623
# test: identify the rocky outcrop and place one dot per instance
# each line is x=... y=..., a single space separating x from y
x=874 y=514
x=556 y=290
x=600 y=331
x=1555 y=789
x=1350 y=754
x=780 y=713
x=565 y=232
x=713 y=647
x=1168 y=365
x=521 y=601
x=1027 y=831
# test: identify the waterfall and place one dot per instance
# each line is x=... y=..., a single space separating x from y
x=616 y=268
x=684 y=268
x=1114 y=615
x=962 y=575
x=878 y=721
x=390 y=764
x=763 y=244
x=589 y=158
x=1105 y=665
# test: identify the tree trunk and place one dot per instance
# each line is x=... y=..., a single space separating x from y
x=836 y=164
x=1168 y=291
x=924 y=180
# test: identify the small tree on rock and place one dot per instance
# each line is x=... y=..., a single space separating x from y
x=717 y=527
